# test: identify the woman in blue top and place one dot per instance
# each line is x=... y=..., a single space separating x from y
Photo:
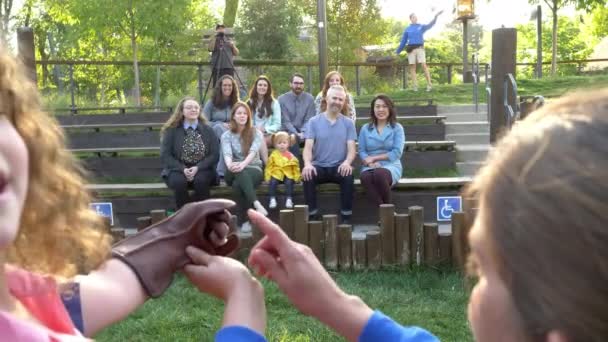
x=380 y=148
x=266 y=112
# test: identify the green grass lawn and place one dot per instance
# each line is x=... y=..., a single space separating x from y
x=433 y=299
x=463 y=93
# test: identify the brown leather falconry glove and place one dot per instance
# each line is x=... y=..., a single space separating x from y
x=158 y=251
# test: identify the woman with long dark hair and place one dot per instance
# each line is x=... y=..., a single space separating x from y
x=217 y=110
x=381 y=145
x=266 y=111
x=240 y=147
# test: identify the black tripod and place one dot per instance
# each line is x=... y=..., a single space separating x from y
x=215 y=68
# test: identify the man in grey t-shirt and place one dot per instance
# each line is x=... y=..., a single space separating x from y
x=329 y=152
x=297 y=107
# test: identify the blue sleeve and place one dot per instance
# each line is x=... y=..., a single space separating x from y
x=237 y=333
x=310 y=130
x=363 y=142
x=398 y=143
x=429 y=25
x=382 y=328
x=351 y=134
x=256 y=143
x=403 y=42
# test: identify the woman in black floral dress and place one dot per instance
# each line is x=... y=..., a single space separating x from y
x=189 y=152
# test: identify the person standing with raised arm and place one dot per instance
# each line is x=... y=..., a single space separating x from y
x=413 y=42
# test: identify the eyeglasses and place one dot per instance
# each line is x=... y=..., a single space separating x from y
x=298 y=83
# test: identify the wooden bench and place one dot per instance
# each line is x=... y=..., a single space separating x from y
x=131 y=201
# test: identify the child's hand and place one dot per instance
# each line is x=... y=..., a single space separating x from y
x=218 y=276
x=230 y=281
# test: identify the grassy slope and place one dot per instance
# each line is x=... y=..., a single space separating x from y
x=432 y=299
x=462 y=93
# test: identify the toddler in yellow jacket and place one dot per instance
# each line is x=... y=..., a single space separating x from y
x=282 y=167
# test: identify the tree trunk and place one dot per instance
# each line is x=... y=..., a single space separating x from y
x=230 y=11
x=5 y=14
x=554 y=38
x=136 y=92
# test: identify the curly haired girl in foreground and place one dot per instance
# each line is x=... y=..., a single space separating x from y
x=48 y=235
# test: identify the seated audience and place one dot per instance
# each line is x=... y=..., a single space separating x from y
x=189 y=153
x=381 y=143
x=537 y=245
x=241 y=146
x=331 y=79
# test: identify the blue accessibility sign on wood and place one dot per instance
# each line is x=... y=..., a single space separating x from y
x=104 y=209
x=446 y=205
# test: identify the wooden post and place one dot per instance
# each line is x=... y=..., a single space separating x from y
x=372 y=244
x=157 y=215
x=416 y=233
x=345 y=233
x=445 y=248
x=246 y=242
x=359 y=252
x=330 y=224
x=301 y=224
x=117 y=234
x=504 y=45
x=458 y=240
x=286 y=221
x=256 y=234
x=387 y=233
x=143 y=222
x=316 y=238
x=27 y=54
x=402 y=238
x=431 y=250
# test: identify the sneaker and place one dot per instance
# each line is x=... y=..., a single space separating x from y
x=260 y=208
x=429 y=87
x=273 y=203
x=246 y=227
x=289 y=203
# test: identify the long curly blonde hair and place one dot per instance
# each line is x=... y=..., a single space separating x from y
x=177 y=118
x=58 y=234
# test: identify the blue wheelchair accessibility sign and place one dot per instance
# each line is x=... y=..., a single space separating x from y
x=104 y=209
x=446 y=205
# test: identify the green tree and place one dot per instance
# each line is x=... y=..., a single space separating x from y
x=265 y=28
x=5 y=15
x=599 y=21
x=350 y=27
x=574 y=44
x=232 y=7
x=554 y=6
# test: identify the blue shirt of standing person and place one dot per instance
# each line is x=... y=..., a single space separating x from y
x=414 y=33
x=413 y=42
